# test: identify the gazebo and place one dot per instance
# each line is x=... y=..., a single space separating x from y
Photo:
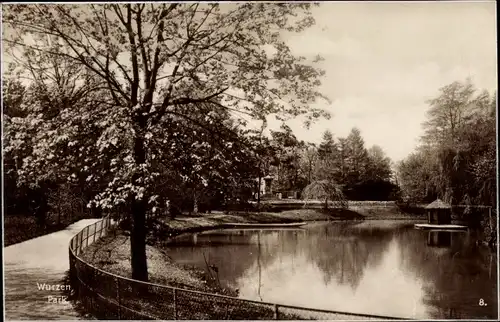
x=439 y=212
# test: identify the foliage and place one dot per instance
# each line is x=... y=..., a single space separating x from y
x=325 y=190
x=287 y=149
x=13 y=92
x=379 y=165
x=364 y=174
x=308 y=161
x=329 y=165
x=137 y=74
x=65 y=202
x=457 y=159
x=210 y=45
x=357 y=157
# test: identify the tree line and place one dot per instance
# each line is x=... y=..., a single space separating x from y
x=361 y=173
x=456 y=160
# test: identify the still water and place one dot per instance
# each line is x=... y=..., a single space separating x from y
x=372 y=267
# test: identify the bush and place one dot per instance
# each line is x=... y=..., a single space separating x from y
x=411 y=208
x=238 y=205
x=265 y=207
x=376 y=190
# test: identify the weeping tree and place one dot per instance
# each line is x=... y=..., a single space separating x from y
x=326 y=190
x=153 y=59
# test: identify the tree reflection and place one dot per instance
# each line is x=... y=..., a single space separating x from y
x=233 y=252
x=452 y=272
x=340 y=251
x=456 y=273
x=343 y=253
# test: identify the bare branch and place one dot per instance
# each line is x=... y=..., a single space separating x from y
x=188 y=100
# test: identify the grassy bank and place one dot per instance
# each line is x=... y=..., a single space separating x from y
x=166 y=228
x=112 y=254
x=359 y=212
x=384 y=213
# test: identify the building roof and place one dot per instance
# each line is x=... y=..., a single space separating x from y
x=438 y=204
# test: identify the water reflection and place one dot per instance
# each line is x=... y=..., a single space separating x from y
x=439 y=239
x=457 y=275
x=375 y=267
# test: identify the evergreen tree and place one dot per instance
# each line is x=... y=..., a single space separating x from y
x=357 y=159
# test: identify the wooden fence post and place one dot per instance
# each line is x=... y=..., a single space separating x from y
x=87 y=239
x=491 y=219
x=95 y=231
x=276 y=312
x=71 y=266
x=91 y=295
x=118 y=298
x=175 y=304
x=80 y=245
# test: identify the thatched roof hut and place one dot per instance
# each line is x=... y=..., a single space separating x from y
x=439 y=212
x=438 y=204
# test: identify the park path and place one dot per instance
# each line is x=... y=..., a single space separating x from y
x=41 y=260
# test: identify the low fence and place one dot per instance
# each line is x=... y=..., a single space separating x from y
x=109 y=296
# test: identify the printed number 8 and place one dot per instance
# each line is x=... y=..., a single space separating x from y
x=481 y=302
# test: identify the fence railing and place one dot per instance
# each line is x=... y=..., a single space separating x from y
x=109 y=296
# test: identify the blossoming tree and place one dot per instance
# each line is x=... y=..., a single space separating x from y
x=153 y=61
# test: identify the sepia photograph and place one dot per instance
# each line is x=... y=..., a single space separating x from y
x=250 y=160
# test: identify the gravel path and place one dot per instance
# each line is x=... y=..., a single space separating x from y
x=30 y=265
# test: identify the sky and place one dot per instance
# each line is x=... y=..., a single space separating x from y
x=384 y=60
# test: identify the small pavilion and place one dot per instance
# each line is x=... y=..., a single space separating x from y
x=439 y=212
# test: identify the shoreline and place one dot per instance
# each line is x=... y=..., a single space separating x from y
x=112 y=253
x=165 y=228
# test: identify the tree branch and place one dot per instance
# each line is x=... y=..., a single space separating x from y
x=145 y=59
x=133 y=52
x=188 y=100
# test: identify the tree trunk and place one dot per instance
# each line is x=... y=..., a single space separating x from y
x=40 y=217
x=195 y=203
x=138 y=241
x=258 y=190
x=138 y=232
x=310 y=172
x=59 y=207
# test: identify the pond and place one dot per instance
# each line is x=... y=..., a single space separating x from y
x=373 y=267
